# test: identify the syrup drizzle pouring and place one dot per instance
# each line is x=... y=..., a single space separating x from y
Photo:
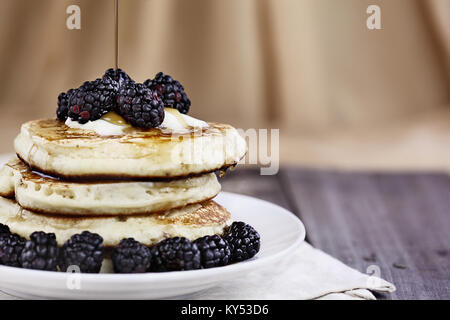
x=112 y=117
x=116 y=32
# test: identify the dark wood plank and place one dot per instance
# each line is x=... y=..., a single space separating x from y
x=399 y=222
x=248 y=181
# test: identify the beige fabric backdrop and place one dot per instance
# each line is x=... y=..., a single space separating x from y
x=342 y=95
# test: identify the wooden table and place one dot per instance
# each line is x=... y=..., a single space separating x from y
x=399 y=223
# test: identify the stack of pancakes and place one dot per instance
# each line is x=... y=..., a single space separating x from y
x=145 y=184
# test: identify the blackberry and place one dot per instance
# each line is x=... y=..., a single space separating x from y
x=84 y=250
x=175 y=254
x=130 y=256
x=92 y=100
x=118 y=75
x=63 y=108
x=11 y=246
x=140 y=106
x=40 y=252
x=244 y=241
x=214 y=251
x=4 y=229
x=171 y=91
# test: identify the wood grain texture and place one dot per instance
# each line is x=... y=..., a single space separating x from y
x=251 y=183
x=397 y=222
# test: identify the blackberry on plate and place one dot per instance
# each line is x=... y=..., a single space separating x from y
x=140 y=106
x=92 y=100
x=11 y=246
x=40 y=252
x=84 y=250
x=171 y=91
x=214 y=251
x=63 y=108
x=4 y=229
x=131 y=256
x=118 y=75
x=244 y=241
x=175 y=254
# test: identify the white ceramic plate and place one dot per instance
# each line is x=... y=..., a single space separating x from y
x=281 y=232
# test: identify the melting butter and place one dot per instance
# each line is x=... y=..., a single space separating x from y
x=112 y=123
x=114 y=118
x=177 y=115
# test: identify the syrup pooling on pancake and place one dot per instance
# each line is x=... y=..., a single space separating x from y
x=53 y=148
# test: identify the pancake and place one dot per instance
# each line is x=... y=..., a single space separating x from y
x=6 y=182
x=47 y=195
x=51 y=147
x=193 y=221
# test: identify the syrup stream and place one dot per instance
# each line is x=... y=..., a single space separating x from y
x=116 y=32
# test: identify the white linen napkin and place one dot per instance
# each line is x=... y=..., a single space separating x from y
x=308 y=274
